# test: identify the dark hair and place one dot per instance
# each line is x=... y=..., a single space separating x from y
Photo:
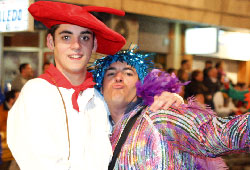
x=184 y=62
x=208 y=62
x=22 y=67
x=217 y=65
x=52 y=30
x=46 y=63
x=171 y=70
x=180 y=74
x=10 y=95
x=194 y=74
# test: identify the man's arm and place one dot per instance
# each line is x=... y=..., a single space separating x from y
x=29 y=135
x=196 y=130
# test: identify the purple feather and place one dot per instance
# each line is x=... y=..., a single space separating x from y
x=157 y=82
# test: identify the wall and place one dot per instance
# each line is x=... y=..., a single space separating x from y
x=225 y=13
x=153 y=34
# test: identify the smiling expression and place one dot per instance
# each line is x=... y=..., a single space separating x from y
x=72 y=46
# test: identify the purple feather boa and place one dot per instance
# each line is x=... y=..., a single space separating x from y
x=157 y=82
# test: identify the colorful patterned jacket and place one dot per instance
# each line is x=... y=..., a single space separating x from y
x=180 y=138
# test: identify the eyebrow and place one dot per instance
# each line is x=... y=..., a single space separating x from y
x=69 y=32
x=124 y=69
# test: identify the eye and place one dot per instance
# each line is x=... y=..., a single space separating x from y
x=110 y=74
x=85 y=38
x=65 y=37
x=129 y=74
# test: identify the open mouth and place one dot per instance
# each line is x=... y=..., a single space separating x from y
x=75 y=56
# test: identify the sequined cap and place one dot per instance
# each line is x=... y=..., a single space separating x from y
x=141 y=62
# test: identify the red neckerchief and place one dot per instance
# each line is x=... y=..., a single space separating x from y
x=55 y=77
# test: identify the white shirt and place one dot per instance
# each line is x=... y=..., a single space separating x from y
x=220 y=109
x=37 y=129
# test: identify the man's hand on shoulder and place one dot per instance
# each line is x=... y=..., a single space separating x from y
x=165 y=100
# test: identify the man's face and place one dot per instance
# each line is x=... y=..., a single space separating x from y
x=208 y=65
x=72 y=46
x=199 y=77
x=28 y=72
x=213 y=73
x=119 y=84
x=187 y=65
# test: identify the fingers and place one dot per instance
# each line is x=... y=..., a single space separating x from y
x=179 y=100
x=165 y=101
x=155 y=104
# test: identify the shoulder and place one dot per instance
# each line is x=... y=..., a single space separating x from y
x=37 y=87
x=98 y=94
x=36 y=83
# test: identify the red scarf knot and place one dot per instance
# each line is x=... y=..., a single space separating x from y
x=55 y=77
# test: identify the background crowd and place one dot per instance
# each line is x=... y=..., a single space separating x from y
x=208 y=86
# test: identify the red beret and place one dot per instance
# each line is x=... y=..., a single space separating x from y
x=53 y=13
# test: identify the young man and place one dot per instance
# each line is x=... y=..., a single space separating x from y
x=60 y=121
x=179 y=138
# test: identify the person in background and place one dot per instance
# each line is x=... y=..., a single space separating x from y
x=46 y=66
x=196 y=87
x=242 y=95
x=185 y=64
x=212 y=84
x=172 y=70
x=223 y=104
x=241 y=105
x=220 y=71
x=60 y=121
x=180 y=138
x=183 y=76
x=208 y=64
x=10 y=98
x=26 y=73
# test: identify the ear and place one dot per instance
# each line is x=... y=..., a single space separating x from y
x=50 y=42
x=101 y=90
x=95 y=45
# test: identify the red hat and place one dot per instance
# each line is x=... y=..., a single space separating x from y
x=53 y=13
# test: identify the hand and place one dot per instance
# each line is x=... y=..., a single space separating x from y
x=165 y=100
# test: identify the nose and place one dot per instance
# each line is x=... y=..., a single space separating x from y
x=118 y=77
x=75 y=45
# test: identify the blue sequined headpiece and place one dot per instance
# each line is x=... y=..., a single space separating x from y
x=141 y=62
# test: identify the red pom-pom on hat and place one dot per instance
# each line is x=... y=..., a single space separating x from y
x=53 y=13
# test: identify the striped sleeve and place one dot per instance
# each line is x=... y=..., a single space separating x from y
x=197 y=131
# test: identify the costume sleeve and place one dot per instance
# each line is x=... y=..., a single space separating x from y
x=27 y=132
x=198 y=131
